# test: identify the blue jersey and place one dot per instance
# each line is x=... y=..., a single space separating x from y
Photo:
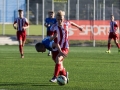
x=50 y=21
x=47 y=43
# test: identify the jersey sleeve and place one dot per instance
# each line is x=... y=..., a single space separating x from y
x=69 y=24
x=52 y=29
x=55 y=21
x=46 y=20
x=26 y=22
x=115 y=24
x=56 y=39
x=15 y=21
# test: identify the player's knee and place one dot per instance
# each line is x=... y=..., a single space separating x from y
x=58 y=60
x=20 y=42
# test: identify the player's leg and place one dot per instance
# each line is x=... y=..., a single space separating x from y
x=21 y=48
x=117 y=44
x=49 y=53
x=54 y=54
x=109 y=43
x=23 y=38
x=23 y=42
x=19 y=38
x=57 y=66
x=62 y=70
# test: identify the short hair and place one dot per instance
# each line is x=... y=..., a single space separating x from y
x=60 y=13
x=112 y=15
x=50 y=11
x=40 y=47
x=20 y=10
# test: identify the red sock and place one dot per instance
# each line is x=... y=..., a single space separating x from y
x=20 y=49
x=117 y=45
x=63 y=72
x=109 y=46
x=57 y=70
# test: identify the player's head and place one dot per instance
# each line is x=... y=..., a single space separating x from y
x=40 y=47
x=60 y=17
x=112 y=17
x=51 y=14
x=20 y=13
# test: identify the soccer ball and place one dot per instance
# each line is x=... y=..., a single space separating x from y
x=62 y=80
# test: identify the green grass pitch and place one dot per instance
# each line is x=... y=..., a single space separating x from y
x=33 y=30
x=90 y=68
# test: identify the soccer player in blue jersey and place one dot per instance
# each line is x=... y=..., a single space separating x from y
x=49 y=44
x=48 y=23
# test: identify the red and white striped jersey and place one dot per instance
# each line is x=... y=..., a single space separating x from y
x=62 y=34
x=20 y=23
x=113 y=26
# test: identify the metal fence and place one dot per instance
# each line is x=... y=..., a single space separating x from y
x=79 y=9
x=75 y=9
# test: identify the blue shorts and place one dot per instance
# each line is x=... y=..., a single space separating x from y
x=47 y=43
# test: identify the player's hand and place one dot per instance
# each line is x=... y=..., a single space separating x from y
x=15 y=27
x=62 y=54
x=23 y=28
x=80 y=29
x=48 y=25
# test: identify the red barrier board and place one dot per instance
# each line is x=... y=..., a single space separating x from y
x=92 y=30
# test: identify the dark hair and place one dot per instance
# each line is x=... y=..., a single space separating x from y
x=50 y=11
x=40 y=47
x=20 y=10
x=112 y=15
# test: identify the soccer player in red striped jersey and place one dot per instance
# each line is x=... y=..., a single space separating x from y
x=21 y=24
x=113 y=34
x=61 y=28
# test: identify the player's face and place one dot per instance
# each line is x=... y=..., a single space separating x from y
x=112 y=18
x=60 y=20
x=51 y=15
x=21 y=14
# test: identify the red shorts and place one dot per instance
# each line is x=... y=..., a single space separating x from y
x=113 y=36
x=21 y=35
x=55 y=53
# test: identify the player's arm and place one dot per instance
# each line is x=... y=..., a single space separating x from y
x=59 y=49
x=77 y=26
x=26 y=24
x=15 y=24
x=46 y=23
x=116 y=27
x=52 y=30
x=52 y=37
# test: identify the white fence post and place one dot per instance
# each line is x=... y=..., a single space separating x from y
x=28 y=15
x=37 y=6
x=43 y=18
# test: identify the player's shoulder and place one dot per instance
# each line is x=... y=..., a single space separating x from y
x=67 y=22
x=115 y=22
x=47 y=18
x=17 y=18
x=54 y=18
x=25 y=18
x=53 y=26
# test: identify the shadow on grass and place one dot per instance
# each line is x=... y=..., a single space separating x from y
x=26 y=84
